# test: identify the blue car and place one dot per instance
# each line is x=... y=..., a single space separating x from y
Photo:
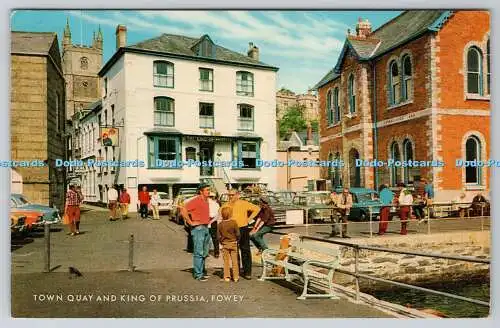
x=363 y=200
x=50 y=215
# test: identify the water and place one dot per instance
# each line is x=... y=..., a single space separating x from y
x=451 y=307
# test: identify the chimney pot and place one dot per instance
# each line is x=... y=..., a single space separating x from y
x=253 y=51
x=121 y=36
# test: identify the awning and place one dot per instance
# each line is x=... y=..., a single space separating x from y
x=203 y=137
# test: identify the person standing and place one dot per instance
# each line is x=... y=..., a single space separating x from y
x=264 y=224
x=334 y=197
x=228 y=234
x=144 y=202
x=405 y=201
x=112 y=203
x=344 y=203
x=196 y=213
x=80 y=203
x=419 y=200
x=124 y=203
x=243 y=213
x=155 y=204
x=386 y=197
x=214 y=220
x=72 y=209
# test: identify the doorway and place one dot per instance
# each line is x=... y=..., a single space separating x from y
x=206 y=154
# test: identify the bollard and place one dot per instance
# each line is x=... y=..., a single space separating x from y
x=131 y=253
x=370 y=214
x=46 y=235
x=356 y=270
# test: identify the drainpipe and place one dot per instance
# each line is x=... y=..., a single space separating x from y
x=375 y=129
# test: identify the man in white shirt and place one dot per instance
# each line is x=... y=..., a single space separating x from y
x=112 y=203
x=215 y=219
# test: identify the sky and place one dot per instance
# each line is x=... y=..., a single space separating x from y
x=305 y=45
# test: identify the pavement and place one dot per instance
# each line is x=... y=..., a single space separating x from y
x=161 y=286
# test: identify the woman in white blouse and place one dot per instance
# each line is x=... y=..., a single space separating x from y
x=155 y=204
x=405 y=202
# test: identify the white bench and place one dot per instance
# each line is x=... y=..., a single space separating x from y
x=311 y=262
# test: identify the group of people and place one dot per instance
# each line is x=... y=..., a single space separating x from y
x=121 y=201
x=117 y=201
x=408 y=203
x=229 y=226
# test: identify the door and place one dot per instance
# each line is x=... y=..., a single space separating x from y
x=206 y=155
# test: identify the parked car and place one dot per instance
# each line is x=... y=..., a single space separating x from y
x=17 y=223
x=363 y=200
x=50 y=215
x=286 y=197
x=175 y=214
x=279 y=208
x=317 y=204
x=33 y=219
x=165 y=201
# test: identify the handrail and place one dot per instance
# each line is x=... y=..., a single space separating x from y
x=358 y=275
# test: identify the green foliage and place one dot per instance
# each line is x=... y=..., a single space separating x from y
x=315 y=125
x=293 y=120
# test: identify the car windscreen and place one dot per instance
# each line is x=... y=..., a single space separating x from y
x=317 y=199
x=164 y=196
x=369 y=196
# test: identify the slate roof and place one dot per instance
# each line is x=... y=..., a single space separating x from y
x=182 y=45
x=31 y=42
x=392 y=34
x=330 y=76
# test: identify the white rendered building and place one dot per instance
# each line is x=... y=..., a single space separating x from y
x=177 y=98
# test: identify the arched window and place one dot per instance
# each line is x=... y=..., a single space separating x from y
x=408 y=155
x=337 y=179
x=336 y=107
x=472 y=152
x=488 y=65
x=396 y=156
x=164 y=111
x=163 y=75
x=354 y=171
x=407 y=78
x=351 y=91
x=329 y=118
x=474 y=71
x=394 y=83
x=244 y=83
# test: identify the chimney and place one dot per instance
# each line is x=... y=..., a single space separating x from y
x=253 y=51
x=121 y=36
x=363 y=28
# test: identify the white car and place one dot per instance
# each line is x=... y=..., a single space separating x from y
x=165 y=201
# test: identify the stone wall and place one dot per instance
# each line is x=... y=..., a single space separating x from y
x=419 y=270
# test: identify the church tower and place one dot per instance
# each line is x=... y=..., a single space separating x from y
x=81 y=63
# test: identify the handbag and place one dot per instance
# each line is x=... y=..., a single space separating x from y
x=66 y=219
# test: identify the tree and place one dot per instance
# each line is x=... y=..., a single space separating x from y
x=315 y=125
x=293 y=120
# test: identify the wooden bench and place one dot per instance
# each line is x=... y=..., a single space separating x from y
x=305 y=261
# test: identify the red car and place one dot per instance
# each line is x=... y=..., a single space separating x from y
x=33 y=218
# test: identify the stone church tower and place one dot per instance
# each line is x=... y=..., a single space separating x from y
x=80 y=66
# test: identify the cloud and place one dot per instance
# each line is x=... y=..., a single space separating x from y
x=297 y=42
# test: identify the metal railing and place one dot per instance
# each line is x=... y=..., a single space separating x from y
x=444 y=207
x=358 y=276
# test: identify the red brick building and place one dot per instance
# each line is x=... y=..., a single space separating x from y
x=415 y=89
